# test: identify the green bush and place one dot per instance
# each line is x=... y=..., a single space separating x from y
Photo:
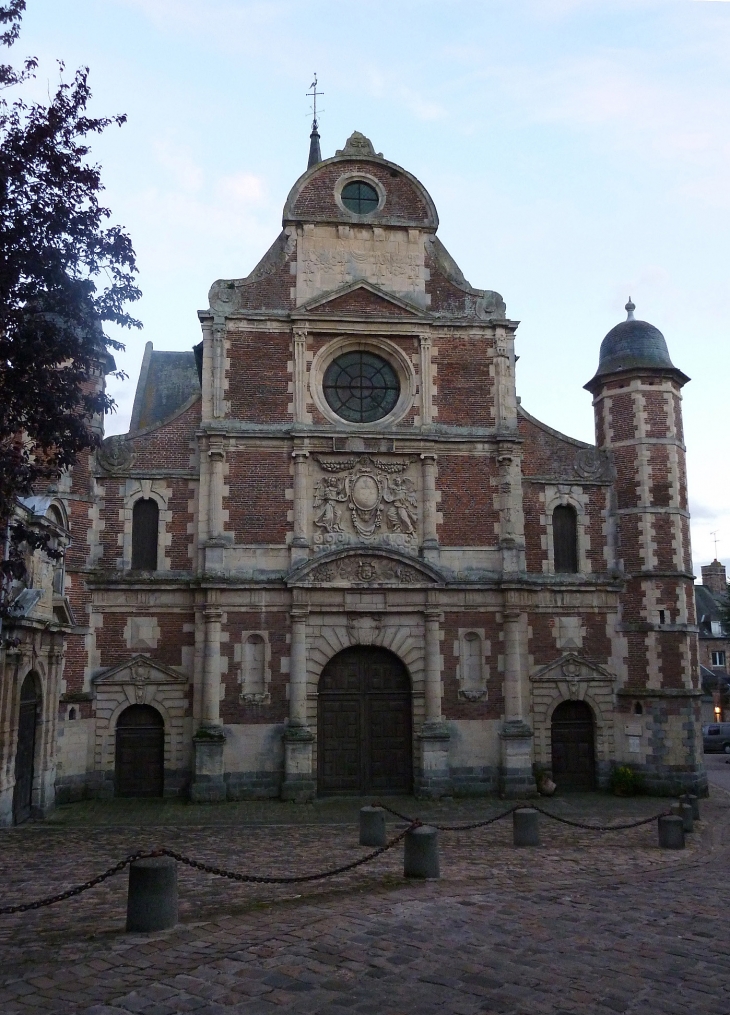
x=626 y=781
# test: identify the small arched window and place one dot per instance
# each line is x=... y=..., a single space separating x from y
x=254 y=652
x=565 y=540
x=638 y=708
x=145 y=523
x=59 y=575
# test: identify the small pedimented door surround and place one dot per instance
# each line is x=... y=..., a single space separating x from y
x=572 y=677
x=140 y=681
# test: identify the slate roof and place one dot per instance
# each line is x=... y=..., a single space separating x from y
x=166 y=382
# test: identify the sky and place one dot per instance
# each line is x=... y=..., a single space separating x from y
x=578 y=152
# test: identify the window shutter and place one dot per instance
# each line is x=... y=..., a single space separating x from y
x=145 y=524
x=565 y=540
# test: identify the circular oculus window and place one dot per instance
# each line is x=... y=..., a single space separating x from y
x=360 y=197
x=361 y=387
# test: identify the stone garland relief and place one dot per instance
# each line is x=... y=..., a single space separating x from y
x=115 y=455
x=367 y=571
x=365 y=500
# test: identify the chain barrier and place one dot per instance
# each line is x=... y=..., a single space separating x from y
x=453 y=828
x=77 y=889
x=208 y=869
x=297 y=878
x=517 y=807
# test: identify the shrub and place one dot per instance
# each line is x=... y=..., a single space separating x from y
x=626 y=781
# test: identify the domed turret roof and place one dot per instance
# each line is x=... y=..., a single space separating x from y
x=633 y=345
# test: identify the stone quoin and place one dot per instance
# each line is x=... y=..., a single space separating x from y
x=335 y=555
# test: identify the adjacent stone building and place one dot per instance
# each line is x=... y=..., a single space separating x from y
x=335 y=555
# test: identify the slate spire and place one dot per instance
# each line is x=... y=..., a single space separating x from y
x=315 y=154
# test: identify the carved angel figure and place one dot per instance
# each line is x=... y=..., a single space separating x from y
x=327 y=493
x=403 y=510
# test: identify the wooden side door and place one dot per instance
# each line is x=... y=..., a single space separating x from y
x=25 y=753
x=140 y=753
x=573 y=747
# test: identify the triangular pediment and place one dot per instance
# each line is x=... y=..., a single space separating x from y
x=363 y=568
x=361 y=298
x=572 y=667
x=140 y=669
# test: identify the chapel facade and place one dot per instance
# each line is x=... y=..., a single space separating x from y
x=334 y=555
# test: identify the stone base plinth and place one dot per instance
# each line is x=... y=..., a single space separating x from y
x=300 y=784
x=434 y=780
x=516 y=777
x=208 y=785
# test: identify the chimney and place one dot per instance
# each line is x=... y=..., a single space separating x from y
x=714 y=578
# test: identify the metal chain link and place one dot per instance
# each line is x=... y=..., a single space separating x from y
x=601 y=828
x=209 y=869
x=294 y=879
x=517 y=807
x=77 y=889
x=452 y=828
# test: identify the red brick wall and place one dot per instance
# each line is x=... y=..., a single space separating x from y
x=258 y=377
x=233 y=710
x=453 y=706
x=535 y=530
x=168 y=445
x=179 y=550
x=256 y=504
x=403 y=202
x=363 y=303
x=112 y=646
x=467 y=497
x=465 y=390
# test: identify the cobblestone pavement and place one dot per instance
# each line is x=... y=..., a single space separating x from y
x=594 y=923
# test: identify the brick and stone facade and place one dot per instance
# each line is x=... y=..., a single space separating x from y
x=289 y=533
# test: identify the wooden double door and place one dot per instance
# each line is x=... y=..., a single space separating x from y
x=574 y=746
x=364 y=742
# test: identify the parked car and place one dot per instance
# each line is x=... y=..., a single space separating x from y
x=716 y=737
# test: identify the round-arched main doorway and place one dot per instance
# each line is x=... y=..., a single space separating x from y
x=30 y=700
x=573 y=746
x=364 y=742
x=139 y=769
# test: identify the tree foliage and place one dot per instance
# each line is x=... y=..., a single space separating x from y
x=64 y=270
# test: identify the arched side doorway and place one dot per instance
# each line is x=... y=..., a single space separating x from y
x=364 y=742
x=140 y=752
x=573 y=746
x=30 y=700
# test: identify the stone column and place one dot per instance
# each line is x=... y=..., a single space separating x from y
x=206 y=325
x=300 y=541
x=300 y=375
x=217 y=538
x=430 y=534
x=516 y=776
x=219 y=369
x=426 y=381
x=434 y=736
x=216 y=457
x=299 y=782
x=209 y=742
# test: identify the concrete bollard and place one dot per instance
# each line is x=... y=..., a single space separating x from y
x=671 y=831
x=421 y=853
x=694 y=801
x=684 y=811
x=152 y=897
x=525 y=829
x=372 y=826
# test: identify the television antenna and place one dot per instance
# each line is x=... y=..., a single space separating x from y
x=715 y=540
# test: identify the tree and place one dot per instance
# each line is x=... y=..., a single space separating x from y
x=63 y=272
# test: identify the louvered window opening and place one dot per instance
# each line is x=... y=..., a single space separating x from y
x=565 y=540
x=145 y=524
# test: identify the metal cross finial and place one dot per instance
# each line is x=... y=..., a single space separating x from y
x=715 y=540
x=314 y=93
